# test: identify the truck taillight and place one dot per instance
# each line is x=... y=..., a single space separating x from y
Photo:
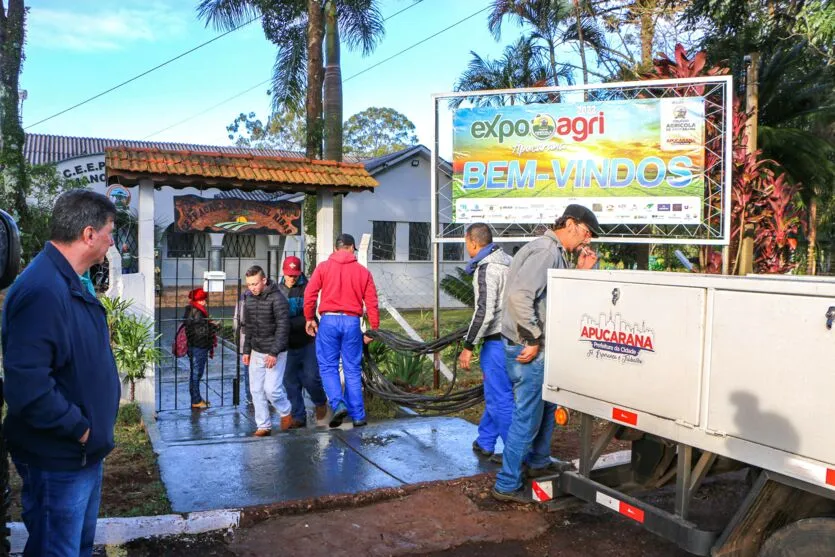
x=561 y=416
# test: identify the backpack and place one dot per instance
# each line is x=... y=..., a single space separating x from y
x=180 y=347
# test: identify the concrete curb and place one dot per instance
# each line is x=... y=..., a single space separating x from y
x=117 y=531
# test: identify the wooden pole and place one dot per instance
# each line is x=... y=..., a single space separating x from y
x=752 y=64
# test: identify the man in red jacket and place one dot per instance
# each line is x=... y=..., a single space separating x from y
x=345 y=285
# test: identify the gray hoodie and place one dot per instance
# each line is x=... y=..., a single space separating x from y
x=524 y=302
x=488 y=285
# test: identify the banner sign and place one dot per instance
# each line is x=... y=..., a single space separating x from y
x=193 y=213
x=633 y=161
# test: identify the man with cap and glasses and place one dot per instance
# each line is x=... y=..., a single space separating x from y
x=346 y=287
x=302 y=369
x=528 y=447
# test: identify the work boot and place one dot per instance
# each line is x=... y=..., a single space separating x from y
x=360 y=423
x=297 y=424
x=497 y=458
x=202 y=405
x=339 y=415
x=262 y=432
x=482 y=452
x=556 y=467
x=286 y=422
x=321 y=412
x=517 y=496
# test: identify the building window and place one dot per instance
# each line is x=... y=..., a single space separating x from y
x=185 y=244
x=239 y=245
x=419 y=241
x=453 y=252
x=382 y=240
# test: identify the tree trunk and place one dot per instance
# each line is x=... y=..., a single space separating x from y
x=315 y=35
x=15 y=182
x=811 y=257
x=578 y=14
x=313 y=106
x=132 y=390
x=333 y=101
x=647 y=17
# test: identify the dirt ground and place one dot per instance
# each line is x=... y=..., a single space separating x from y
x=455 y=519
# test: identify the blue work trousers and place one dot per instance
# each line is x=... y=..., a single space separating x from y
x=498 y=396
x=340 y=335
x=198 y=359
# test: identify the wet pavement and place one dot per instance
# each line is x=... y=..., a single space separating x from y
x=213 y=462
x=209 y=459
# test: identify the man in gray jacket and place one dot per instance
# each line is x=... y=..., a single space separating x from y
x=523 y=325
x=489 y=266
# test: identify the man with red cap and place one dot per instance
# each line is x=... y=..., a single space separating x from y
x=302 y=369
x=201 y=335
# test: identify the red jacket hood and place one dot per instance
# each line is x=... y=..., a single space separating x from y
x=342 y=256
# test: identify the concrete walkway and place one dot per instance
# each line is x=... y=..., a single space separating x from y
x=209 y=459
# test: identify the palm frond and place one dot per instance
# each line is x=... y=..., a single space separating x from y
x=224 y=15
x=289 y=80
x=360 y=24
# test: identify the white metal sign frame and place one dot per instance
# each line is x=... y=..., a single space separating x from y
x=715 y=227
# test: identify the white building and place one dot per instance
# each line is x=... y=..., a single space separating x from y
x=397 y=215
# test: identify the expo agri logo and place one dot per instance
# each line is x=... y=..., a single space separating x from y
x=612 y=338
x=542 y=127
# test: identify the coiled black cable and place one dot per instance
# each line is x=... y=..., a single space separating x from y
x=447 y=403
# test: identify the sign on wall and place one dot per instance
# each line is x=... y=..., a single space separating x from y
x=193 y=213
x=632 y=161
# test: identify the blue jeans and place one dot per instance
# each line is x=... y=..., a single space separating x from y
x=60 y=509
x=245 y=395
x=198 y=359
x=303 y=372
x=529 y=436
x=498 y=396
x=341 y=335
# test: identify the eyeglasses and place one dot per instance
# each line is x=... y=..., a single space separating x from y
x=585 y=229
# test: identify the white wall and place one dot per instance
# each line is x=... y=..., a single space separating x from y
x=403 y=196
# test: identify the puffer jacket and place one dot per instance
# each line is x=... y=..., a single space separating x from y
x=267 y=322
x=200 y=332
x=488 y=285
x=295 y=298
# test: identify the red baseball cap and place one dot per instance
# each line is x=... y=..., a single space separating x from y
x=197 y=295
x=292 y=266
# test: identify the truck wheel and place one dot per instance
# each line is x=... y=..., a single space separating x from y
x=810 y=537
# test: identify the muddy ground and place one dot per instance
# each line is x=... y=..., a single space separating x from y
x=457 y=518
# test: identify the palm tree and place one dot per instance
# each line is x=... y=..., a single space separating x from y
x=552 y=23
x=520 y=65
x=299 y=28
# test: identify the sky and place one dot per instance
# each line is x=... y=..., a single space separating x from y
x=75 y=50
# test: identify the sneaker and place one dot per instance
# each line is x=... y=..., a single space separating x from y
x=360 y=423
x=200 y=405
x=321 y=412
x=339 y=416
x=286 y=422
x=517 y=496
x=480 y=451
x=496 y=458
x=556 y=467
x=262 y=432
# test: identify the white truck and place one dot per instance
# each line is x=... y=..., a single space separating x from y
x=701 y=373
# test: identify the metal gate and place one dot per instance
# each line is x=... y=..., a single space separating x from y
x=180 y=271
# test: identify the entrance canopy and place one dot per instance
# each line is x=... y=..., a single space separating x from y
x=131 y=165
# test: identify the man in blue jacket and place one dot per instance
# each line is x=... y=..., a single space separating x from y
x=61 y=383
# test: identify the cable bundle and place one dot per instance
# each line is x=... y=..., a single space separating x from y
x=448 y=402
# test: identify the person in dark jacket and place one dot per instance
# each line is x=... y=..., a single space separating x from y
x=240 y=328
x=201 y=333
x=61 y=382
x=302 y=367
x=267 y=322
